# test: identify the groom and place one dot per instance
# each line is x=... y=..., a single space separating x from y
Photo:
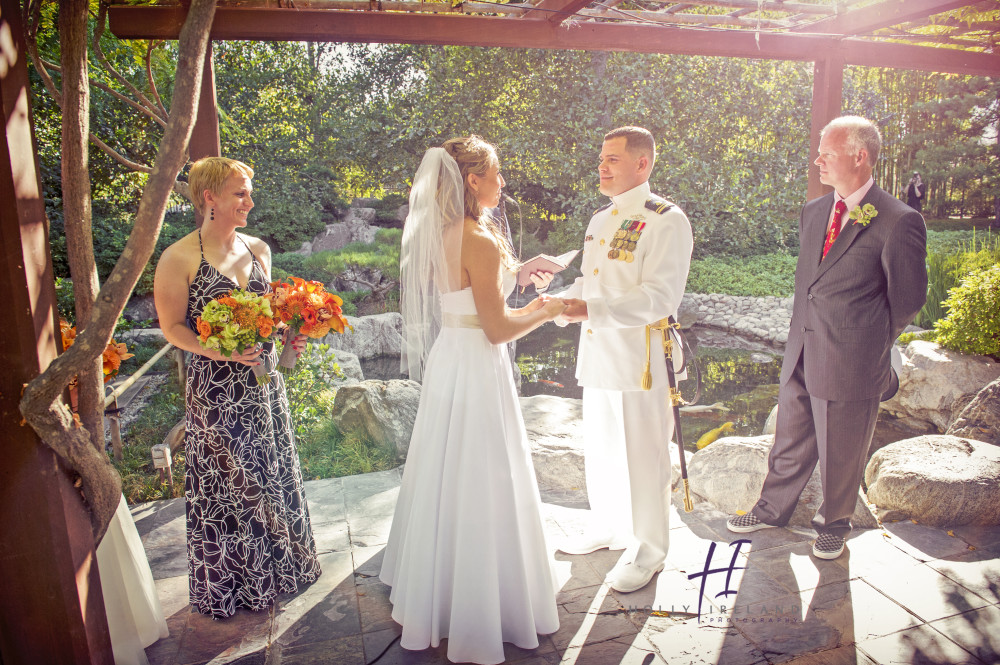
x=636 y=255
x=860 y=279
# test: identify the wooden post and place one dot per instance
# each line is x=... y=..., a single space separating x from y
x=52 y=609
x=205 y=141
x=828 y=86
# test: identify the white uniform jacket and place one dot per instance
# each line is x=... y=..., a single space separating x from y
x=636 y=256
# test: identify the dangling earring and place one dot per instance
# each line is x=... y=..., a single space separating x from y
x=211 y=214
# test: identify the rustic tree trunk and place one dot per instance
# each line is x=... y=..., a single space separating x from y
x=40 y=403
x=73 y=16
x=980 y=419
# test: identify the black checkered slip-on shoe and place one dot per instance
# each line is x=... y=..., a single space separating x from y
x=746 y=523
x=828 y=546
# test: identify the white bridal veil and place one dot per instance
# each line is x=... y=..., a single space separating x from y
x=430 y=262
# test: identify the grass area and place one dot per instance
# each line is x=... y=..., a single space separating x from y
x=965 y=224
x=767 y=275
x=140 y=481
x=326 y=452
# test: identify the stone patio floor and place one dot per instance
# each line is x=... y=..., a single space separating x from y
x=906 y=593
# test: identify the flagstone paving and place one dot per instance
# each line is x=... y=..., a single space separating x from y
x=906 y=593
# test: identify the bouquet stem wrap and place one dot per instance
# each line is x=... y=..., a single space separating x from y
x=286 y=363
x=263 y=370
x=260 y=371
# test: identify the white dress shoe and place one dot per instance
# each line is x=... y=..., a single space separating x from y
x=586 y=544
x=632 y=577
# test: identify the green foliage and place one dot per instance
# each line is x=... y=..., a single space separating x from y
x=973 y=321
x=951 y=255
x=387 y=207
x=382 y=255
x=768 y=275
x=288 y=264
x=925 y=335
x=310 y=395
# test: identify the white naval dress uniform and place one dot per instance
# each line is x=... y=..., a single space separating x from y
x=627 y=429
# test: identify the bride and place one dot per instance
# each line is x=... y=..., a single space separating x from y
x=466 y=557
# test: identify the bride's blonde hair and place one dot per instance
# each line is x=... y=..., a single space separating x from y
x=476 y=156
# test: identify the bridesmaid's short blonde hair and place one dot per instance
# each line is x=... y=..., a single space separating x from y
x=209 y=173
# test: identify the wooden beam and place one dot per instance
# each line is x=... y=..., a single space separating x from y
x=54 y=608
x=408 y=28
x=666 y=18
x=556 y=11
x=881 y=15
x=828 y=91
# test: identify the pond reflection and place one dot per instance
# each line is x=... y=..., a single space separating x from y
x=739 y=378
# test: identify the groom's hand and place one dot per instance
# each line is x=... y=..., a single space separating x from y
x=576 y=311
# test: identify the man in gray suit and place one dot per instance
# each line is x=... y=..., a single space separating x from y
x=861 y=277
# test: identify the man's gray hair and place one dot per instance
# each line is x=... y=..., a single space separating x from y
x=862 y=134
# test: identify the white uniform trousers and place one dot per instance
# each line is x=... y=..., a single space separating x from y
x=627 y=462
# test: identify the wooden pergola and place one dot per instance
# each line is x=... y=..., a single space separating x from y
x=52 y=609
x=903 y=34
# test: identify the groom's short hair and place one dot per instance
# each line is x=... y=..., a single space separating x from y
x=862 y=134
x=637 y=140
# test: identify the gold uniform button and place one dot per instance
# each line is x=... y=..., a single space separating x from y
x=602 y=241
x=589 y=331
x=614 y=212
x=595 y=271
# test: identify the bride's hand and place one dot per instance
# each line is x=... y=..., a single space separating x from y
x=553 y=307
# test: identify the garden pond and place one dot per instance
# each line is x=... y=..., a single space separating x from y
x=739 y=377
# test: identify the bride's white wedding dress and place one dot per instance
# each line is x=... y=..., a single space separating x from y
x=466 y=557
x=135 y=618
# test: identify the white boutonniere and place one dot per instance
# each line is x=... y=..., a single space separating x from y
x=863 y=215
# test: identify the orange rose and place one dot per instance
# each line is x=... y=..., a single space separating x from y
x=204 y=329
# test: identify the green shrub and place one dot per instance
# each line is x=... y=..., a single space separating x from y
x=387 y=207
x=310 y=395
x=926 y=335
x=951 y=255
x=767 y=275
x=285 y=264
x=972 y=324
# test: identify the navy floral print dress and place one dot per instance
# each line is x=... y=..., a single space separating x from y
x=248 y=531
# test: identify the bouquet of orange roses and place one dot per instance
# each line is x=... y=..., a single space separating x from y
x=235 y=322
x=306 y=308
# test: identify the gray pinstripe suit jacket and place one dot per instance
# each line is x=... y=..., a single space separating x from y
x=849 y=309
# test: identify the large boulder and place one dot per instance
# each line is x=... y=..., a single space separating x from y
x=555 y=430
x=936 y=479
x=355 y=278
x=935 y=384
x=374 y=335
x=980 y=420
x=730 y=473
x=384 y=410
x=335 y=236
x=350 y=367
x=140 y=308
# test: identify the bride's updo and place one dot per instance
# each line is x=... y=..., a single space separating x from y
x=476 y=156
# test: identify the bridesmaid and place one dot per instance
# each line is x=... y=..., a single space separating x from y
x=248 y=531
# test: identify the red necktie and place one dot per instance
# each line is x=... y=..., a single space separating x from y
x=831 y=236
